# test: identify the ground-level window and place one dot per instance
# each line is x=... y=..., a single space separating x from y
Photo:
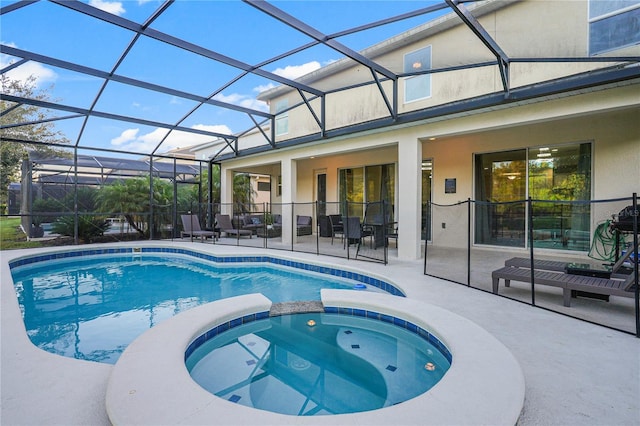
x=370 y=184
x=549 y=175
x=613 y=24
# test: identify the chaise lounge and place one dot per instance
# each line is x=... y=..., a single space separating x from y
x=567 y=282
x=224 y=223
x=191 y=227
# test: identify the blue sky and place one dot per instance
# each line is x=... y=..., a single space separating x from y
x=229 y=27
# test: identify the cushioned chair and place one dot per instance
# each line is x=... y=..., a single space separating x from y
x=303 y=225
x=253 y=222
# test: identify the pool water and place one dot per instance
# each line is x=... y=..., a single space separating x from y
x=92 y=307
x=317 y=364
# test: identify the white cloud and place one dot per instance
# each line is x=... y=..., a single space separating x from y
x=125 y=137
x=264 y=87
x=130 y=140
x=245 y=101
x=113 y=7
x=295 y=71
x=43 y=75
x=217 y=128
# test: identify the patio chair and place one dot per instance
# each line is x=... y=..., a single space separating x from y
x=337 y=227
x=191 y=227
x=353 y=231
x=224 y=223
x=392 y=232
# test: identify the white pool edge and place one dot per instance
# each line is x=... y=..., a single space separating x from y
x=150 y=383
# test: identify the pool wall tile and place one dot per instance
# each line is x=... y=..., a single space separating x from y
x=221 y=328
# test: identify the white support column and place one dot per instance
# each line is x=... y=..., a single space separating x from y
x=226 y=191
x=409 y=199
x=289 y=170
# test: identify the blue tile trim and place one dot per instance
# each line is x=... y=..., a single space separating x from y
x=365 y=279
x=200 y=340
x=221 y=328
x=407 y=325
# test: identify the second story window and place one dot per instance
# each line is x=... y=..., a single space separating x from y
x=613 y=24
x=418 y=86
x=282 y=119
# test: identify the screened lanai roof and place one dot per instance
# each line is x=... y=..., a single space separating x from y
x=147 y=77
x=99 y=170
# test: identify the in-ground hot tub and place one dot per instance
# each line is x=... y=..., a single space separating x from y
x=151 y=383
x=309 y=364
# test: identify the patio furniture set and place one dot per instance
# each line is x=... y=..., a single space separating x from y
x=243 y=226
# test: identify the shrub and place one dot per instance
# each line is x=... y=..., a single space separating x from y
x=88 y=227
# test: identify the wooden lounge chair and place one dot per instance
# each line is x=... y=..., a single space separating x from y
x=191 y=227
x=546 y=265
x=224 y=223
x=567 y=282
x=554 y=265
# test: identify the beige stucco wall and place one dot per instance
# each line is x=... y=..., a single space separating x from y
x=606 y=118
x=533 y=29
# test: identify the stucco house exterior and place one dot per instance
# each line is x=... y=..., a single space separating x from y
x=549 y=94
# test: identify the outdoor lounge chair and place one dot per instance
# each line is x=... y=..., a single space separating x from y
x=554 y=265
x=567 y=282
x=224 y=223
x=191 y=227
x=546 y=265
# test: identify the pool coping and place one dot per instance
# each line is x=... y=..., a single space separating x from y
x=150 y=383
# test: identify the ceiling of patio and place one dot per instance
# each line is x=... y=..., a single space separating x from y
x=147 y=77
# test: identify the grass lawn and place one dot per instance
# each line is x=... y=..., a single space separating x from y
x=12 y=237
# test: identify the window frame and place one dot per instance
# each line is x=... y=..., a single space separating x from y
x=281 y=118
x=425 y=77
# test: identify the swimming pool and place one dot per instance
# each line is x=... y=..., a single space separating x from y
x=318 y=363
x=150 y=384
x=90 y=304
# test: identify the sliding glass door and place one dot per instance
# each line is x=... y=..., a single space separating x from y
x=427 y=173
x=501 y=183
x=558 y=179
x=370 y=184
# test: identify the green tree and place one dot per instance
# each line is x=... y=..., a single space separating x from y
x=193 y=196
x=130 y=198
x=243 y=193
x=12 y=153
